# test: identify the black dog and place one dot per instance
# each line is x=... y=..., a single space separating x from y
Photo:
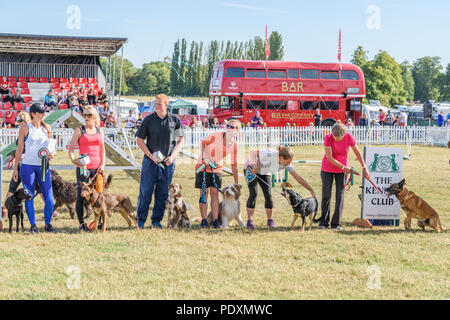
x=15 y=208
x=302 y=207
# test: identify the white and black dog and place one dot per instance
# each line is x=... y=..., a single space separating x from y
x=302 y=207
x=230 y=207
x=15 y=207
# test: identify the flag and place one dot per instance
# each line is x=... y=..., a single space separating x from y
x=267 y=46
x=339 y=48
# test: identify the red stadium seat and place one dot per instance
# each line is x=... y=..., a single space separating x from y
x=11 y=119
x=63 y=80
x=22 y=79
x=92 y=81
x=56 y=85
x=33 y=80
x=63 y=106
x=18 y=106
x=12 y=79
x=7 y=106
x=27 y=99
x=25 y=91
x=66 y=86
x=13 y=84
x=83 y=81
x=24 y=85
x=53 y=80
x=56 y=91
x=44 y=80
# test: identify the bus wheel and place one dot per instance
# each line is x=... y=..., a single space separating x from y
x=328 y=123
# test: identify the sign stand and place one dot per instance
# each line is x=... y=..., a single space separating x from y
x=385 y=166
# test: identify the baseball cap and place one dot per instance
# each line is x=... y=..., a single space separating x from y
x=37 y=107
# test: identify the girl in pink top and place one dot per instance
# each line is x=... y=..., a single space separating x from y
x=334 y=167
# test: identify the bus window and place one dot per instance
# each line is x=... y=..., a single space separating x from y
x=329 y=75
x=293 y=73
x=310 y=105
x=329 y=105
x=240 y=104
x=293 y=105
x=234 y=73
x=349 y=75
x=309 y=74
x=277 y=74
x=256 y=104
x=355 y=105
x=276 y=105
x=220 y=74
x=224 y=102
x=256 y=73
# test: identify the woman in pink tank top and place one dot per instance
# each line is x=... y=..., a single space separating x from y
x=90 y=140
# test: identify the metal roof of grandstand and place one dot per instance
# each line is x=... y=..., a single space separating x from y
x=60 y=45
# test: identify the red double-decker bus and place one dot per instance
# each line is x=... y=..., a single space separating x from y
x=286 y=92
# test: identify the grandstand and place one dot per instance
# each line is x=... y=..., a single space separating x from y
x=35 y=64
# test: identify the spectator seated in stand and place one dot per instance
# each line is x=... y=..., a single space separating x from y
x=7 y=98
x=18 y=98
x=92 y=98
x=106 y=111
x=111 y=121
x=49 y=100
x=102 y=96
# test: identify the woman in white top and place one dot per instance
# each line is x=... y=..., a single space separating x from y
x=34 y=137
x=264 y=163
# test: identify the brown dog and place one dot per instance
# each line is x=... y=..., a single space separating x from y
x=415 y=207
x=104 y=203
x=176 y=208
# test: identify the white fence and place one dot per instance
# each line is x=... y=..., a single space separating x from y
x=272 y=136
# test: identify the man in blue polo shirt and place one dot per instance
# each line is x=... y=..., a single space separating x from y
x=163 y=133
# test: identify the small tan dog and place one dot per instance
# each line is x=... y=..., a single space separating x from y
x=415 y=207
x=176 y=208
x=230 y=207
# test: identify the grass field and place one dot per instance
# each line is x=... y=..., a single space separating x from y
x=235 y=263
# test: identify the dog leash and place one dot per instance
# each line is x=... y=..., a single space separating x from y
x=349 y=176
x=212 y=166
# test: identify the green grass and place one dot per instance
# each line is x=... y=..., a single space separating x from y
x=235 y=263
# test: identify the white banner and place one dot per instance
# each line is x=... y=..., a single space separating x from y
x=385 y=166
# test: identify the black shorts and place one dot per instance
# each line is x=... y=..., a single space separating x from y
x=208 y=180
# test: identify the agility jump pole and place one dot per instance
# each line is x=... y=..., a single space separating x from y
x=195 y=157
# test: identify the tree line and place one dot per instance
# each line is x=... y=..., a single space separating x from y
x=188 y=71
x=394 y=83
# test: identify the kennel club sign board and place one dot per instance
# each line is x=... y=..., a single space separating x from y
x=385 y=167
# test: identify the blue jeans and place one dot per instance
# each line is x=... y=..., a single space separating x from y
x=157 y=180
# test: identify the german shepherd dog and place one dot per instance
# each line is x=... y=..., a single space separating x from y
x=415 y=207
x=302 y=207
x=15 y=207
x=104 y=203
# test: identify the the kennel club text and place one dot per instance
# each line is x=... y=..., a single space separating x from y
x=226 y=309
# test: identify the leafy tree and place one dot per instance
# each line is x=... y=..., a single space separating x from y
x=444 y=81
x=426 y=73
x=276 y=46
x=408 y=80
x=152 y=79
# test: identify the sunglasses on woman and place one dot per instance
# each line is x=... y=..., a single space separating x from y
x=229 y=126
x=20 y=120
x=88 y=115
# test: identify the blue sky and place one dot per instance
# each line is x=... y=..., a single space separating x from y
x=405 y=29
